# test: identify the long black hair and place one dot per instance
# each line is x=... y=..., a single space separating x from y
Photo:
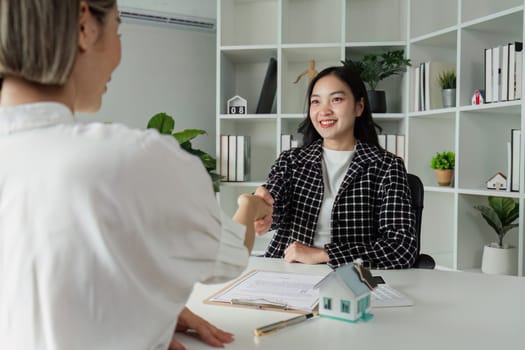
x=364 y=128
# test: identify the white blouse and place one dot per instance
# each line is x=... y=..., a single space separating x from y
x=335 y=166
x=103 y=232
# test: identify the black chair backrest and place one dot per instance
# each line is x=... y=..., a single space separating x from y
x=418 y=196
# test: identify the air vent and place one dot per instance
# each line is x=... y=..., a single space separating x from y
x=171 y=19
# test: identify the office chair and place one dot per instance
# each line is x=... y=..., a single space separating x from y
x=423 y=261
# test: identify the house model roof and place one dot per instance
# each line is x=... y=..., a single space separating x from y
x=497 y=175
x=347 y=275
x=237 y=97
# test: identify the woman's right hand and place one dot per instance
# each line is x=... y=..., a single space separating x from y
x=263 y=225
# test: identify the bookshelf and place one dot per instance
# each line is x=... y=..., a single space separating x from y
x=327 y=31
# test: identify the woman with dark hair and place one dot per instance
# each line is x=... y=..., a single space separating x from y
x=365 y=127
x=340 y=196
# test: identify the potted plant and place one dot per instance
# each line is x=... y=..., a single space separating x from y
x=375 y=67
x=447 y=81
x=502 y=212
x=443 y=164
x=165 y=124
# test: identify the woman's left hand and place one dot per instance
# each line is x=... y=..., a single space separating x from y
x=210 y=334
x=298 y=252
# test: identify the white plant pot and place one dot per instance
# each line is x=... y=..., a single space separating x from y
x=501 y=261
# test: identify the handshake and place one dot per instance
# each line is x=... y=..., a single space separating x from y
x=255 y=212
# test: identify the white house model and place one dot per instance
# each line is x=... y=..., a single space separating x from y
x=497 y=182
x=237 y=105
x=343 y=296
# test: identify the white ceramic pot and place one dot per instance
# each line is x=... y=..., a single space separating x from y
x=501 y=261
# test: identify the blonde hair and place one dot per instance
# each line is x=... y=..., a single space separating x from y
x=39 y=38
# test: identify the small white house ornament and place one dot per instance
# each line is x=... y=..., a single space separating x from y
x=237 y=105
x=344 y=294
x=497 y=182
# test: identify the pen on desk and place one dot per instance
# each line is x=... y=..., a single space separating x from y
x=281 y=324
x=259 y=304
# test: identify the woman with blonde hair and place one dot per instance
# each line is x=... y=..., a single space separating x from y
x=103 y=229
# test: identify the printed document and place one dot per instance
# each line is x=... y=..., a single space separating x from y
x=292 y=291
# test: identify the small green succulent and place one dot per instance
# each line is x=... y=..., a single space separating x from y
x=444 y=160
x=447 y=79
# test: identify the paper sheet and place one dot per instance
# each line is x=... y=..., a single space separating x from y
x=293 y=290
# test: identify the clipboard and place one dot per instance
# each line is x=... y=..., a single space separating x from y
x=272 y=291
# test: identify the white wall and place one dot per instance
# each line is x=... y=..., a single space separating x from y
x=163 y=69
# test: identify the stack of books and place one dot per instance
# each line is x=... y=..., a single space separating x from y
x=235 y=158
x=394 y=144
x=503 y=71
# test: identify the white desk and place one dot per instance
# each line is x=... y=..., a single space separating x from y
x=453 y=310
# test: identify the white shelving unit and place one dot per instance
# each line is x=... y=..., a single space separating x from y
x=327 y=31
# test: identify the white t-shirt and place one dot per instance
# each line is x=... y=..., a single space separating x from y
x=335 y=166
x=103 y=232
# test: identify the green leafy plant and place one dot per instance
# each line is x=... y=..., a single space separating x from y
x=447 y=79
x=443 y=160
x=500 y=215
x=375 y=67
x=165 y=125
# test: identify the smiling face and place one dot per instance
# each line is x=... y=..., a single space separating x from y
x=99 y=55
x=333 y=111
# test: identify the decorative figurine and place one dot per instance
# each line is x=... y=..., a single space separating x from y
x=310 y=71
x=237 y=105
x=477 y=98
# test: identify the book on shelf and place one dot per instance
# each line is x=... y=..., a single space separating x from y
x=511 y=93
x=400 y=147
x=242 y=162
x=286 y=142
x=382 y=140
x=223 y=157
x=417 y=103
x=391 y=143
x=509 y=166
x=421 y=88
x=235 y=158
x=496 y=74
x=424 y=89
x=269 y=87
x=515 y=141
x=488 y=75
x=518 y=57
x=504 y=74
x=232 y=156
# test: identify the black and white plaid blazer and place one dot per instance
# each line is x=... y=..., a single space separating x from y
x=371 y=217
